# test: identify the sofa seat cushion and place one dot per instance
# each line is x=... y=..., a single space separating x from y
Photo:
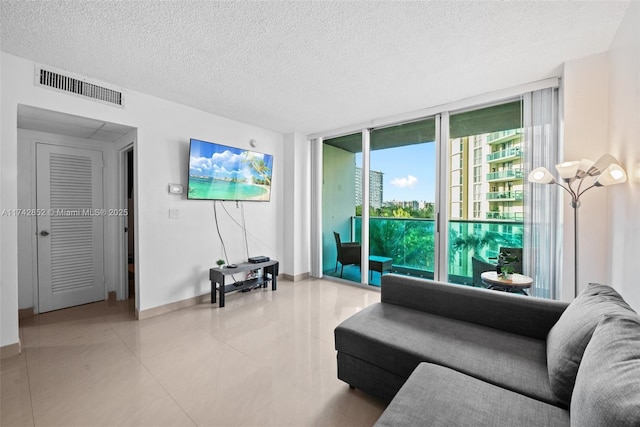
x=397 y=339
x=607 y=390
x=438 y=396
x=569 y=337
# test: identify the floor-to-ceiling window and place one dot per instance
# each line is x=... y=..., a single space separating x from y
x=341 y=190
x=431 y=196
x=486 y=179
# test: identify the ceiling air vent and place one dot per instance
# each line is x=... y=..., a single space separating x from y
x=65 y=82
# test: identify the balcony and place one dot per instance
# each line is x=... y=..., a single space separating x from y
x=410 y=242
x=507 y=154
x=505 y=175
x=506 y=216
x=505 y=196
x=504 y=136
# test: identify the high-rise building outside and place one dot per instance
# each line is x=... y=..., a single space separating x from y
x=487 y=177
x=375 y=188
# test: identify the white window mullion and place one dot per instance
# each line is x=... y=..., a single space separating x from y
x=442 y=197
x=366 y=149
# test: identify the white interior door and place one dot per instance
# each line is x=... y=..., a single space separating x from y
x=70 y=226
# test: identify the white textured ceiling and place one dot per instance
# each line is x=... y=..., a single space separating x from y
x=309 y=66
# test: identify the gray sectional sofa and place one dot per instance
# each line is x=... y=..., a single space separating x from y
x=452 y=355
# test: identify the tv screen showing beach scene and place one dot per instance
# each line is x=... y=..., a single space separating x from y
x=219 y=172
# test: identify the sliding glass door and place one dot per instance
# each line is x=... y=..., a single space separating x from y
x=388 y=194
x=486 y=181
x=440 y=196
x=402 y=190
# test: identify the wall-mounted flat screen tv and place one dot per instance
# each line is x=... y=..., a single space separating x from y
x=220 y=172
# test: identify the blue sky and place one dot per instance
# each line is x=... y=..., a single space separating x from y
x=409 y=171
x=220 y=161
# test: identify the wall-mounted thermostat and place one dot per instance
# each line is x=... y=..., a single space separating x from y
x=175 y=189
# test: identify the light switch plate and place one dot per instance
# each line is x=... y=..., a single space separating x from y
x=175 y=189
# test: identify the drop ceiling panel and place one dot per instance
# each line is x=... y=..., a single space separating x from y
x=42 y=120
x=103 y=135
x=112 y=127
x=58 y=128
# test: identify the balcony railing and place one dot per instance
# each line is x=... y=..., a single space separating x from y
x=496 y=137
x=505 y=175
x=410 y=242
x=509 y=153
x=505 y=195
x=506 y=216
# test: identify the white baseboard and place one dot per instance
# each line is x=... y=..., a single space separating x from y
x=9 y=350
x=167 y=308
x=295 y=278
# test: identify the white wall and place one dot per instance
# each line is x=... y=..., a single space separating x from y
x=8 y=224
x=297 y=202
x=624 y=142
x=586 y=97
x=26 y=231
x=173 y=255
x=602 y=115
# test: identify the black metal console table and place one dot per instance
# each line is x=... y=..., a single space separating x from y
x=217 y=275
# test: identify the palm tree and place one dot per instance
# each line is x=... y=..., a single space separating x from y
x=260 y=167
x=473 y=243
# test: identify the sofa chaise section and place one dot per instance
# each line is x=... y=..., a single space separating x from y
x=437 y=396
x=495 y=337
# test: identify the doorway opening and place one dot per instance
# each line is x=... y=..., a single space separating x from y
x=129 y=227
x=71 y=135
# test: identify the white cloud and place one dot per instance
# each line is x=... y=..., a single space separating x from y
x=220 y=170
x=226 y=159
x=200 y=164
x=223 y=164
x=410 y=181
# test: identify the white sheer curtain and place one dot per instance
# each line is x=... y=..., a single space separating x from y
x=543 y=223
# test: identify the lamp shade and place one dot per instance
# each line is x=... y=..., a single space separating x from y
x=568 y=170
x=583 y=167
x=602 y=164
x=613 y=174
x=541 y=176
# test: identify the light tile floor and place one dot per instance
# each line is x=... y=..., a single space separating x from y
x=266 y=359
x=352 y=273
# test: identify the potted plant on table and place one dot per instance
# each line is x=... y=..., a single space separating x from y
x=220 y=263
x=505 y=267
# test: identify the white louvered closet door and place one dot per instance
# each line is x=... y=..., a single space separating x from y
x=70 y=226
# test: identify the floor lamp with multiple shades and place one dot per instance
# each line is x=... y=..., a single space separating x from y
x=577 y=178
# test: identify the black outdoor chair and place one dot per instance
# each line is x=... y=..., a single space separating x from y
x=479 y=266
x=348 y=253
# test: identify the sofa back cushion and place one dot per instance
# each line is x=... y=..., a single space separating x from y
x=532 y=317
x=607 y=390
x=569 y=337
